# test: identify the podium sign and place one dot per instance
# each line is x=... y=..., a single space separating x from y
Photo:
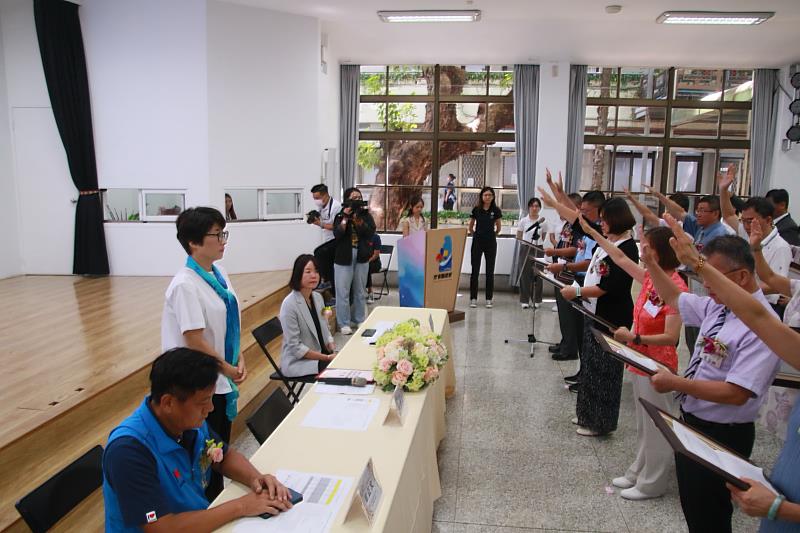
x=430 y=266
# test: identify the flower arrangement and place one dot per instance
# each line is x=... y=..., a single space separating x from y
x=408 y=357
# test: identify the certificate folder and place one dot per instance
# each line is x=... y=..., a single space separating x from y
x=578 y=304
x=627 y=355
x=704 y=450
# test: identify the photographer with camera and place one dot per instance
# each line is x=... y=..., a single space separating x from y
x=326 y=210
x=353 y=229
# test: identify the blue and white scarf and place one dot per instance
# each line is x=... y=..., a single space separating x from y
x=232 y=326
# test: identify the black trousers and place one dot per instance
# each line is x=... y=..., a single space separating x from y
x=705 y=501
x=218 y=421
x=570 y=322
x=487 y=247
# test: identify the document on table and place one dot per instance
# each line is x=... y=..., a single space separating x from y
x=380 y=328
x=323 y=496
x=348 y=373
x=346 y=413
x=324 y=388
x=722 y=459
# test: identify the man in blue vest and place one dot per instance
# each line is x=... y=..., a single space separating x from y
x=159 y=460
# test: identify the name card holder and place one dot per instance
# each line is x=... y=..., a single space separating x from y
x=367 y=497
x=397 y=405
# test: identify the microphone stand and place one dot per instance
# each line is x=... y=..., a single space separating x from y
x=531 y=340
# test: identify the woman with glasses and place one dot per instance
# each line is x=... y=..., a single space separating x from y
x=201 y=312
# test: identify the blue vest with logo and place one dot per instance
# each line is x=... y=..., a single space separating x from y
x=181 y=477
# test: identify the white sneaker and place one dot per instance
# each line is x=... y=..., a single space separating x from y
x=473 y=303
x=525 y=306
x=622 y=482
x=554 y=309
x=586 y=432
x=346 y=330
x=635 y=494
x=488 y=304
x=537 y=306
x=574 y=420
x=370 y=299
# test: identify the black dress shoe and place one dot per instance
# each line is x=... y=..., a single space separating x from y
x=574 y=387
x=564 y=357
x=554 y=348
x=574 y=378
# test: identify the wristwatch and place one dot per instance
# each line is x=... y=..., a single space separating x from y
x=637 y=339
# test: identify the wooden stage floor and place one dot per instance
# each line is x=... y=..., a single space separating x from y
x=64 y=339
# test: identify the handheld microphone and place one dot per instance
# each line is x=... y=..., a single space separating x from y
x=357 y=381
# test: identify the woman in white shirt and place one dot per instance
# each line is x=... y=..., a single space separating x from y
x=413 y=221
x=531 y=228
x=201 y=312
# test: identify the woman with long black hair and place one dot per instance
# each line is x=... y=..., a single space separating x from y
x=484 y=226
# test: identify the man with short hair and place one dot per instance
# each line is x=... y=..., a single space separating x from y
x=727 y=380
x=777 y=252
x=158 y=461
x=328 y=208
x=782 y=219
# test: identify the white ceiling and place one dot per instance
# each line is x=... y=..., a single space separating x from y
x=539 y=31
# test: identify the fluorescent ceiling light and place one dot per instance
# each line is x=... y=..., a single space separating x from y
x=461 y=15
x=714 y=17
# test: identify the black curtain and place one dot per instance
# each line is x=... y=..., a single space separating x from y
x=61 y=47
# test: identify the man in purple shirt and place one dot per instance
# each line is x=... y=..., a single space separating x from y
x=725 y=383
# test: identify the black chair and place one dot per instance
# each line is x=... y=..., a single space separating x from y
x=265 y=334
x=269 y=416
x=386 y=249
x=50 y=501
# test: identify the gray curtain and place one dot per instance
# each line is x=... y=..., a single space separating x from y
x=526 y=121
x=348 y=123
x=576 y=117
x=762 y=129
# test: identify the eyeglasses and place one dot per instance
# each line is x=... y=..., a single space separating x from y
x=222 y=236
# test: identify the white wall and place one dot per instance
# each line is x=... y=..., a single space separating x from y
x=43 y=187
x=146 y=62
x=786 y=165
x=329 y=107
x=10 y=260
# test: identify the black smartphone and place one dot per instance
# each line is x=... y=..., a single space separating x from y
x=294 y=496
x=368 y=333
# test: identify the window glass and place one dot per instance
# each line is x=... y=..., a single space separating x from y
x=469 y=117
x=241 y=204
x=372 y=80
x=501 y=79
x=738 y=86
x=700 y=123
x=642 y=82
x=409 y=162
x=163 y=204
x=600 y=120
x=639 y=121
x=698 y=84
x=463 y=80
x=409 y=79
x=121 y=205
x=371 y=161
x=407 y=116
x=601 y=82
x=371 y=116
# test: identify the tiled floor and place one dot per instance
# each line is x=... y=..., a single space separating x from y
x=511 y=461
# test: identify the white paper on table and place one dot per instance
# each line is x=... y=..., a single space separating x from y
x=380 y=328
x=323 y=496
x=339 y=412
x=347 y=373
x=324 y=388
x=632 y=355
x=726 y=461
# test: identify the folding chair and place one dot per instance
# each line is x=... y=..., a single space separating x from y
x=269 y=416
x=53 y=499
x=265 y=334
x=386 y=249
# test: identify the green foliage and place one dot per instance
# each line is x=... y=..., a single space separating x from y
x=512 y=216
x=369 y=155
x=458 y=215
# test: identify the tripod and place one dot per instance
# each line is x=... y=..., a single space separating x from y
x=531 y=340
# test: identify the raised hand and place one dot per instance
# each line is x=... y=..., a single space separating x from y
x=648 y=257
x=682 y=244
x=725 y=180
x=547 y=200
x=756 y=233
x=587 y=228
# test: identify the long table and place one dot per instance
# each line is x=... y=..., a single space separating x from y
x=404 y=456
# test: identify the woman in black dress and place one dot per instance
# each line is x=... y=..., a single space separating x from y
x=484 y=226
x=607 y=293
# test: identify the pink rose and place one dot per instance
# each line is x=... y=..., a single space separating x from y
x=215 y=454
x=385 y=364
x=405 y=367
x=398 y=378
x=430 y=374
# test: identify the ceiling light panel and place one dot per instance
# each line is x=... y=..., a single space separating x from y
x=463 y=15
x=724 y=18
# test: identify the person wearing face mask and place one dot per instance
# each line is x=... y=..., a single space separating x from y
x=531 y=228
x=353 y=228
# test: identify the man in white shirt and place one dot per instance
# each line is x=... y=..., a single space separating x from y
x=777 y=252
x=328 y=208
x=531 y=228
